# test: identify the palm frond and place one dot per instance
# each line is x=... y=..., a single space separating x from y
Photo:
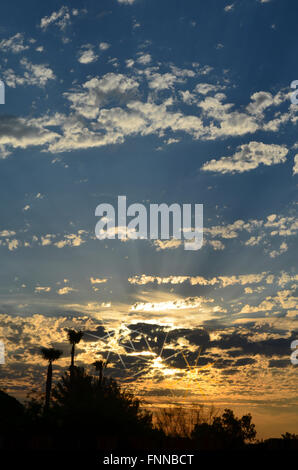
x=50 y=354
x=74 y=337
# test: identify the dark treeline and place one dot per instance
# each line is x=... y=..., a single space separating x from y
x=87 y=412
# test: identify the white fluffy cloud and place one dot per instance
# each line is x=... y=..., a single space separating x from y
x=295 y=167
x=40 y=289
x=170 y=305
x=144 y=59
x=97 y=92
x=158 y=81
x=34 y=75
x=248 y=157
x=220 y=281
x=94 y=280
x=282 y=249
x=107 y=109
x=262 y=100
x=205 y=88
x=14 y=44
x=21 y=133
x=167 y=244
x=65 y=290
x=60 y=18
x=87 y=55
x=72 y=239
x=229 y=7
x=103 y=46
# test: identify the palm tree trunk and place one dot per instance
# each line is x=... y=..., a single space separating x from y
x=72 y=356
x=48 y=386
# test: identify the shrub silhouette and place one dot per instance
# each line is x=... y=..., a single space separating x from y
x=11 y=410
x=180 y=421
x=87 y=413
x=225 y=432
x=89 y=408
x=12 y=414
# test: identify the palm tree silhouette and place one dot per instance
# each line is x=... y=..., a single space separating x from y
x=74 y=337
x=50 y=355
x=99 y=367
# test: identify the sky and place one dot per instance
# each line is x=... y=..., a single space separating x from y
x=163 y=102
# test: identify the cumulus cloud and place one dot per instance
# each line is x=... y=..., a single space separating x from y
x=126 y=115
x=232 y=230
x=248 y=157
x=252 y=347
x=13 y=244
x=65 y=290
x=259 y=232
x=206 y=88
x=34 y=75
x=229 y=122
x=40 y=289
x=163 y=81
x=59 y=241
x=295 y=167
x=143 y=279
x=167 y=244
x=21 y=133
x=129 y=63
x=103 y=46
x=106 y=110
x=216 y=244
x=60 y=18
x=46 y=240
x=144 y=59
x=14 y=44
x=158 y=81
x=262 y=100
x=87 y=55
x=233 y=122
x=229 y=7
x=281 y=226
x=282 y=300
x=282 y=249
x=39 y=73
x=179 y=304
x=94 y=280
x=286 y=278
x=219 y=281
x=7 y=233
x=72 y=239
x=97 y=92
x=254 y=240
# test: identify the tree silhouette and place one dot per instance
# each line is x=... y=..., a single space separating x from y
x=289 y=436
x=100 y=365
x=226 y=432
x=88 y=411
x=50 y=355
x=74 y=337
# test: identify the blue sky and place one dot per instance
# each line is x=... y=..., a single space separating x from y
x=162 y=102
